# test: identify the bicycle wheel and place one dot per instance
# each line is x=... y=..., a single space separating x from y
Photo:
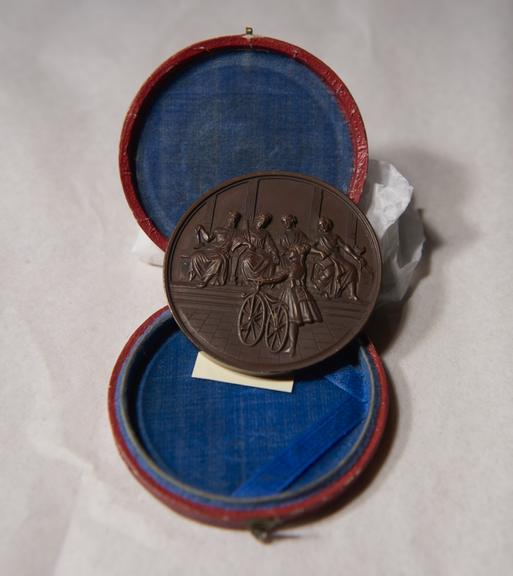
x=251 y=321
x=277 y=327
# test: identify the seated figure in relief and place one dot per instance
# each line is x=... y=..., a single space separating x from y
x=336 y=271
x=210 y=261
x=260 y=257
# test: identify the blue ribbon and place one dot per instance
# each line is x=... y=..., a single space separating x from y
x=308 y=447
x=351 y=380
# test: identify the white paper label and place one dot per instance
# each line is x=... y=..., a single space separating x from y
x=207 y=369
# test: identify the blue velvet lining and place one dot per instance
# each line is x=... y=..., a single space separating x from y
x=231 y=113
x=204 y=440
x=287 y=466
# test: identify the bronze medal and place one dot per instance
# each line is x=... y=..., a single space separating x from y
x=272 y=272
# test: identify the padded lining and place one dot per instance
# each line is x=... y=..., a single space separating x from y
x=205 y=439
x=235 y=112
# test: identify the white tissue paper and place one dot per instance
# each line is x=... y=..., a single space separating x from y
x=387 y=203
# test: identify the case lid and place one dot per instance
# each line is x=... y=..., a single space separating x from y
x=230 y=106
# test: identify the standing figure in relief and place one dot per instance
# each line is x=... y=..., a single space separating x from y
x=301 y=306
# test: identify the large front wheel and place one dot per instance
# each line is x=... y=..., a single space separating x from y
x=251 y=320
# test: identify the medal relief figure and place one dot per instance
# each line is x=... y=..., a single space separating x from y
x=260 y=257
x=266 y=273
x=339 y=266
x=292 y=235
x=301 y=306
x=278 y=318
x=210 y=261
x=279 y=300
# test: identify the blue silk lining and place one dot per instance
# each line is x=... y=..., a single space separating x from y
x=238 y=446
x=231 y=113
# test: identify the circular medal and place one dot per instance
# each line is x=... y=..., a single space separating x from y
x=272 y=272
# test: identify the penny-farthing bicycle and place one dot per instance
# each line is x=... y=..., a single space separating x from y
x=262 y=315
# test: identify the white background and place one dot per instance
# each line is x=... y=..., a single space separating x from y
x=434 y=83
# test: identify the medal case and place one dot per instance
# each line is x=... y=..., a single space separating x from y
x=221 y=453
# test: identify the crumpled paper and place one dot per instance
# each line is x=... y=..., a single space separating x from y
x=387 y=202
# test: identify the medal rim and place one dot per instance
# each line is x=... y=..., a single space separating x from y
x=293 y=365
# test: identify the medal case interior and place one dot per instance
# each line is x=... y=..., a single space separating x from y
x=222 y=453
